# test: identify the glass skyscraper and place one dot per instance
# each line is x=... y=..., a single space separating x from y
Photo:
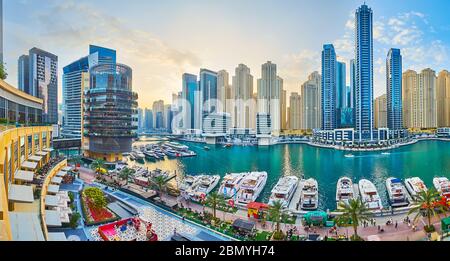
x=208 y=88
x=329 y=119
x=364 y=73
x=394 y=89
x=189 y=94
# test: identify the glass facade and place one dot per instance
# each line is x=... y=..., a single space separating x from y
x=329 y=119
x=394 y=89
x=364 y=73
x=11 y=112
x=190 y=88
x=110 y=106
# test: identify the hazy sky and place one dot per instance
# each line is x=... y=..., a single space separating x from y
x=162 y=39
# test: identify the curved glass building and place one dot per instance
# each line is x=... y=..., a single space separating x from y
x=110 y=112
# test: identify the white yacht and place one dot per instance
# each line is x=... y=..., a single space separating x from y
x=415 y=185
x=204 y=185
x=231 y=184
x=251 y=186
x=344 y=191
x=309 y=198
x=398 y=196
x=369 y=195
x=284 y=190
x=442 y=185
x=186 y=184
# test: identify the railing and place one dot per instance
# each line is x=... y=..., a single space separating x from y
x=50 y=174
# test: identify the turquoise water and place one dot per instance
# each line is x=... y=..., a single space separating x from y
x=425 y=159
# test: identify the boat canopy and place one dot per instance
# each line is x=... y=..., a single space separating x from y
x=316 y=217
x=396 y=180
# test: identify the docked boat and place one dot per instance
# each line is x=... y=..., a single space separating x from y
x=231 y=184
x=369 y=195
x=398 y=196
x=442 y=185
x=206 y=148
x=309 y=198
x=204 y=185
x=186 y=184
x=349 y=155
x=414 y=186
x=252 y=185
x=284 y=190
x=345 y=191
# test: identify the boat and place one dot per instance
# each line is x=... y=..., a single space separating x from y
x=385 y=153
x=206 y=148
x=185 y=186
x=252 y=185
x=349 y=155
x=415 y=185
x=369 y=195
x=204 y=185
x=231 y=184
x=309 y=198
x=345 y=191
x=284 y=190
x=228 y=145
x=150 y=155
x=442 y=185
x=398 y=196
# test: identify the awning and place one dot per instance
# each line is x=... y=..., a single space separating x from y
x=52 y=218
x=67 y=168
x=57 y=236
x=25 y=226
x=35 y=158
x=61 y=174
x=244 y=225
x=29 y=165
x=51 y=201
x=24 y=175
x=41 y=153
x=53 y=189
x=56 y=180
x=21 y=193
x=48 y=149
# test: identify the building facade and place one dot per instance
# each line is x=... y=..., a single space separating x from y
x=394 y=89
x=364 y=73
x=443 y=99
x=309 y=107
x=329 y=98
x=110 y=112
x=223 y=90
x=190 y=100
x=295 y=111
x=24 y=73
x=243 y=111
x=381 y=113
x=208 y=88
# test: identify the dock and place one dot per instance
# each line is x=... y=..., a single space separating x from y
x=295 y=201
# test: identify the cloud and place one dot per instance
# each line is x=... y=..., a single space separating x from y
x=295 y=68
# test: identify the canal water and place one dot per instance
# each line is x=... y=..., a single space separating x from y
x=425 y=159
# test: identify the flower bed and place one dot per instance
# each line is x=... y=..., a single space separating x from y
x=94 y=215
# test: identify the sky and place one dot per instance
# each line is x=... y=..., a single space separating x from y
x=161 y=40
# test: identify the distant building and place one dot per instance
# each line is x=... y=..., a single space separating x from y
x=148 y=126
x=243 y=114
x=443 y=99
x=270 y=88
x=341 y=91
x=24 y=73
x=223 y=90
x=295 y=111
x=158 y=112
x=381 y=111
x=208 y=89
x=190 y=100
x=329 y=119
x=309 y=106
x=216 y=124
x=394 y=89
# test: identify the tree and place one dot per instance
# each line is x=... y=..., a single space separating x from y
x=126 y=173
x=276 y=215
x=75 y=161
x=98 y=166
x=74 y=220
x=426 y=203
x=355 y=212
x=3 y=73
x=96 y=197
x=160 y=182
x=214 y=200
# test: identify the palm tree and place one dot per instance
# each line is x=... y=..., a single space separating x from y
x=214 y=200
x=76 y=160
x=98 y=165
x=356 y=212
x=160 y=182
x=426 y=202
x=3 y=73
x=276 y=215
x=126 y=173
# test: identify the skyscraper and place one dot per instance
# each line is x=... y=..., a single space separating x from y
x=242 y=94
x=295 y=111
x=443 y=99
x=44 y=82
x=208 y=88
x=410 y=99
x=329 y=120
x=141 y=120
x=148 y=119
x=75 y=80
x=309 y=106
x=381 y=112
x=158 y=112
x=394 y=89
x=364 y=73
x=352 y=84
x=24 y=73
x=341 y=84
x=269 y=94
x=427 y=85
x=283 y=109
x=223 y=86
x=190 y=100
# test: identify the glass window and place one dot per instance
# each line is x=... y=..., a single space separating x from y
x=30 y=145
x=44 y=140
x=22 y=149
x=36 y=142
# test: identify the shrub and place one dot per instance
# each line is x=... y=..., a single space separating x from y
x=74 y=220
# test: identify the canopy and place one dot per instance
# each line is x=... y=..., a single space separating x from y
x=244 y=225
x=26 y=226
x=21 y=193
x=67 y=168
x=48 y=149
x=57 y=236
x=316 y=217
x=52 y=218
x=24 y=175
x=41 y=153
x=51 y=201
x=445 y=223
x=29 y=165
x=61 y=173
x=35 y=158
x=53 y=189
x=56 y=180
x=257 y=205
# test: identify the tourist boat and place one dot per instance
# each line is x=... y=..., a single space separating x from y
x=345 y=191
x=442 y=185
x=369 y=195
x=398 y=196
x=204 y=185
x=284 y=190
x=251 y=186
x=186 y=185
x=415 y=185
x=309 y=198
x=231 y=184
